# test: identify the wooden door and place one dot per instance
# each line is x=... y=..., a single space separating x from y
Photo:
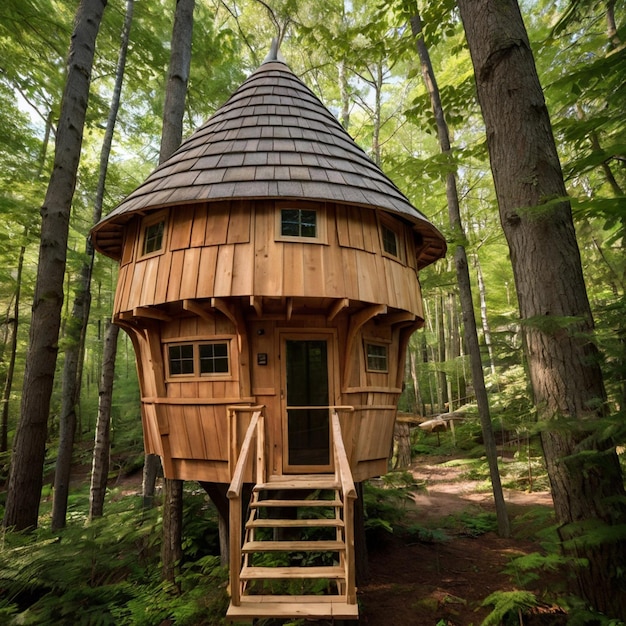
x=306 y=385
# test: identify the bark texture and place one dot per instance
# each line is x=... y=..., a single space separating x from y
x=102 y=445
x=22 y=507
x=76 y=328
x=463 y=279
x=585 y=476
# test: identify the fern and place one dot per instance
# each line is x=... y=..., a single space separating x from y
x=508 y=607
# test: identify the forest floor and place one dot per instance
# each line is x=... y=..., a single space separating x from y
x=443 y=582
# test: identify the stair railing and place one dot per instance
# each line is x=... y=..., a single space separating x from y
x=343 y=475
x=256 y=430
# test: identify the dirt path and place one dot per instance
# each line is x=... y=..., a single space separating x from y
x=443 y=582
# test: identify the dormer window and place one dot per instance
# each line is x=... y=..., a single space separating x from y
x=390 y=241
x=153 y=234
x=298 y=223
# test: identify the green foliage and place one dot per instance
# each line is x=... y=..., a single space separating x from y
x=509 y=607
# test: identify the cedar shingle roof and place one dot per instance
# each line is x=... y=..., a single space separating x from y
x=272 y=139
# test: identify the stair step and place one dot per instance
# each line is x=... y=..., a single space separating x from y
x=318 y=607
x=296 y=523
x=293 y=546
x=292 y=503
x=265 y=573
x=296 y=481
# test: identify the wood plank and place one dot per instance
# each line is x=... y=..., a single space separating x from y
x=224 y=271
x=343 y=235
x=243 y=270
x=176 y=270
x=136 y=284
x=182 y=220
x=189 y=277
x=162 y=278
x=198 y=228
x=293 y=546
x=294 y=503
x=295 y=523
x=314 y=271
x=355 y=228
x=217 y=223
x=293 y=269
x=206 y=272
x=130 y=240
x=239 y=224
x=274 y=573
x=320 y=610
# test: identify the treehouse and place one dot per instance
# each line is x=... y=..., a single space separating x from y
x=268 y=279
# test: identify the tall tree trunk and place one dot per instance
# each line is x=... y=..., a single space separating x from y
x=102 y=445
x=22 y=507
x=442 y=383
x=463 y=279
x=171 y=137
x=563 y=361
x=77 y=326
x=14 y=322
x=483 y=315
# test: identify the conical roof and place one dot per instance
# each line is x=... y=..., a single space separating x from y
x=273 y=138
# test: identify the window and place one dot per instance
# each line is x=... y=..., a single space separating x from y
x=153 y=234
x=298 y=223
x=376 y=355
x=214 y=358
x=390 y=240
x=199 y=359
x=181 y=360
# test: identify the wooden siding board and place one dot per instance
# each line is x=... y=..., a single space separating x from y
x=217 y=224
x=206 y=272
x=162 y=278
x=189 y=277
x=136 y=284
x=180 y=229
x=176 y=270
x=148 y=288
x=198 y=228
x=224 y=271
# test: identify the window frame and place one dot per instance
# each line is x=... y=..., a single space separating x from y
x=367 y=343
x=161 y=217
x=386 y=222
x=320 y=222
x=197 y=374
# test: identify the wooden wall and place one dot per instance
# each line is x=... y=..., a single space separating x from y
x=226 y=249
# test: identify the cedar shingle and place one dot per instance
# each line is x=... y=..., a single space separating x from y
x=273 y=138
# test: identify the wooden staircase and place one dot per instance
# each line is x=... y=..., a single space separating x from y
x=297 y=556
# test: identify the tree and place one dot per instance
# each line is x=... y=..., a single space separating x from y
x=462 y=274
x=171 y=137
x=77 y=325
x=585 y=475
x=26 y=476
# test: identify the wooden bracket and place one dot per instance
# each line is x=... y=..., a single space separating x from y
x=193 y=306
x=338 y=306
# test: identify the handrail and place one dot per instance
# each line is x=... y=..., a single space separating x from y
x=255 y=428
x=343 y=474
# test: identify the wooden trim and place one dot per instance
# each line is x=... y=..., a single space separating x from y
x=144 y=312
x=371 y=389
x=357 y=320
x=192 y=401
x=256 y=302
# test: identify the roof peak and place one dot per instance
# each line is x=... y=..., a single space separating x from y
x=274 y=54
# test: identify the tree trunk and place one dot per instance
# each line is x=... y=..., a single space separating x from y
x=8 y=383
x=102 y=446
x=463 y=279
x=77 y=326
x=171 y=137
x=483 y=315
x=24 y=493
x=171 y=549
x=563 y=361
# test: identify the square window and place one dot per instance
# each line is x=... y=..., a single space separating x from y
x=390 y=240
x=376 y=357
x=153 y=237
x=181 y=360
x=214 y=358
x=298 y=223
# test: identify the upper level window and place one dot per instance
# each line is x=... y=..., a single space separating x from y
x=199 y=359
x=153 y=234
x=390 y=240
x=376 y=357
x=298 y=223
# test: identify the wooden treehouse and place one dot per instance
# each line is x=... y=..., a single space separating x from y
x=268 y=280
